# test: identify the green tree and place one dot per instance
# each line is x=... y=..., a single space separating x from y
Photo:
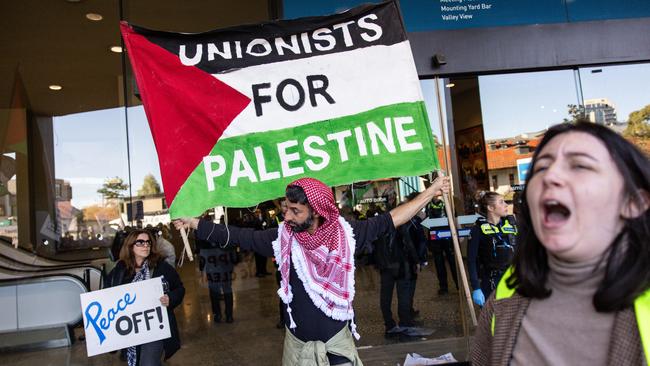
x=638 y=124
x=576 y=112
x=149 y=186
x=113 y=188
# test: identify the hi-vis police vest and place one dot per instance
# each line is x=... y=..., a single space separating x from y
x=503 y=240
x=506 y=228
x=641 y=310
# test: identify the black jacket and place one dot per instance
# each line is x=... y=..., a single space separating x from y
x=118 y=276
x=490 y=248
x=396 y=253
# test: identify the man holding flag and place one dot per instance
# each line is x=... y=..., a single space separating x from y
x=315 y=248
x=238 y=113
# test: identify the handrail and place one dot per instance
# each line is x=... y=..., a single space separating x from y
x=36 y=256
x=9 y=262
x=84 y=273
x=59 y=291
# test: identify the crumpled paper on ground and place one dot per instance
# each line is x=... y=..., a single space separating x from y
x=414 y=359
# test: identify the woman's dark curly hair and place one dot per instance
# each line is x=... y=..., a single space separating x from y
x=627 y=273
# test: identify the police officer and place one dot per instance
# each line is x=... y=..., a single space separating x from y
x=491 y=245
x=441 y=249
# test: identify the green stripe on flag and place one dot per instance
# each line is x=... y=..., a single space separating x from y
x=388 y=141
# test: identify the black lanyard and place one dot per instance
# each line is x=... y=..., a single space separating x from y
x=497 y=233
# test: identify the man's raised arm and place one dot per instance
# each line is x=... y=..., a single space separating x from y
x=187 y=223
x=259 y=241
x=402 y=213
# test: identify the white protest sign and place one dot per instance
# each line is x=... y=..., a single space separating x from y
x=124 y=316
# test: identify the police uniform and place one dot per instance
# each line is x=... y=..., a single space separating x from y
x=490 y=252
x=441 y=249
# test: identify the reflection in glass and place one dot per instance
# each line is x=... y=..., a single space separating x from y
x=434 y=114
x=14 y=169
x=515 y=104
x=8 y=192
x=91 y=177
x=619 y=97
x=147 y=189
x=516 y=111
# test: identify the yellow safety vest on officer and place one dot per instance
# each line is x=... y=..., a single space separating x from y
x=490 y=251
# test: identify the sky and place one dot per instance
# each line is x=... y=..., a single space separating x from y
x=517 y=103
x=91 y=147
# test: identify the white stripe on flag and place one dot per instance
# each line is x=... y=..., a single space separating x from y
x=359 y=80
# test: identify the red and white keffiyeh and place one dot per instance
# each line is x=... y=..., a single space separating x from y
x=324 y=260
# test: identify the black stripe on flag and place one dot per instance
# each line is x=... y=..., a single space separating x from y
x=248 y=45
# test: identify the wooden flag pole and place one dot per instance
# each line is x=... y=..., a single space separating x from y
x=459 y=258
x=186 y=243
x=451 y=218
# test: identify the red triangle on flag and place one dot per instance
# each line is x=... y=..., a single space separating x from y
x=188 y=109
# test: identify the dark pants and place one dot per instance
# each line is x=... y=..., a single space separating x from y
x=404 y=299
x=278 y=280
x=224 y=288
x=414 y=281
x=150 y=354
x=260 y=264
x=489 y=281
x=442 y=249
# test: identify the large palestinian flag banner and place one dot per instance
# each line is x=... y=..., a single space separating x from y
x=238 y=113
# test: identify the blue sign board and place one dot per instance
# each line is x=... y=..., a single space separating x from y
x=427 y=15
x=583 y=10
x=523 y=165
x=446 y=234
x=424 y=15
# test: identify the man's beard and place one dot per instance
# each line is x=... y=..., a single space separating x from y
x=299 y=228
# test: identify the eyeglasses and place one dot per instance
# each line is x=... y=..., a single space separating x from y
x=140 y=243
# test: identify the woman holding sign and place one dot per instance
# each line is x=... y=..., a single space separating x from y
x=579 y=289
x=139 y=261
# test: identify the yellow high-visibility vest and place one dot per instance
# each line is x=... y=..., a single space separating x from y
x=506 y=228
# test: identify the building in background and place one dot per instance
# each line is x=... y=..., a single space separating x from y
x=600 y=111
x=502 y=156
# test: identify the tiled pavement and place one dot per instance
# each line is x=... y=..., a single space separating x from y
x=253 y=338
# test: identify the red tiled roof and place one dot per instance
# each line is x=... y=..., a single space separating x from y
x=66 y=210
x=507 y=158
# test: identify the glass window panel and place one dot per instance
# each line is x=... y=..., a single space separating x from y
x=56 y=66
x=434 y=113
x=516 y=109
x=145 y=172
x=619 y=97
x=14 y=169
x=8 y=195
x=514 y=104
x=92 y=173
